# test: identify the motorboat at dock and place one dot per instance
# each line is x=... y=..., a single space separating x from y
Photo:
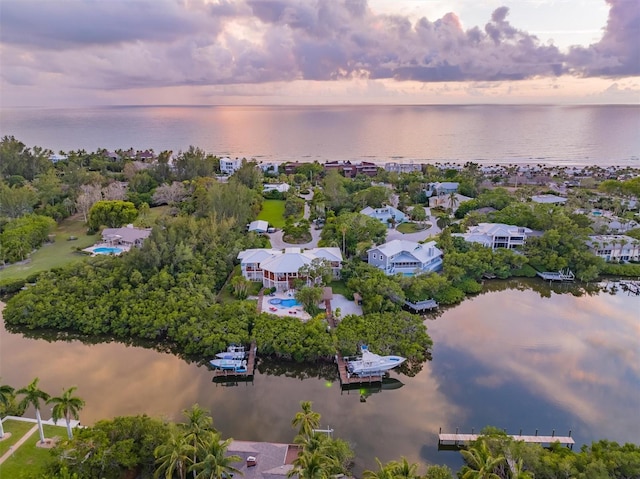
x=371 y=364
x=233 y=352
x=235 y=365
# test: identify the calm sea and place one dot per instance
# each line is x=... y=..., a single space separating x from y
x=556 y=135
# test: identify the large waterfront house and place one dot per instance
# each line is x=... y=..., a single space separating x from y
x=229 y=166
x=406 y=257
x=496 y=235
x=615 y=247
x=388 y=215
x=128 y=236
x=279 y=269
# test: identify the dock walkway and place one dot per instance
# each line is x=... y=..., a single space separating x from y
x=557 y=276
x=460 y=440
x=347 y=379
x=251 y=364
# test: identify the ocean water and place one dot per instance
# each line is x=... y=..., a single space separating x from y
x=487 y=134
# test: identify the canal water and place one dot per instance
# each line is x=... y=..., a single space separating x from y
x=521 y=355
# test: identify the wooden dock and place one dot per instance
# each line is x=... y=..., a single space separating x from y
x=557 y=276
x=347 y=379
x=427 y=304
x=457 y=441
x=251 y=364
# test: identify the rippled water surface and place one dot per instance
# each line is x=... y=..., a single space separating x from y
x=514 y=358
x=568 y=135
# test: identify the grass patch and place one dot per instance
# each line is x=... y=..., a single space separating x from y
x=339 y=287
x=59 y=253
x=29 y=460
x=410 y=227
x=273 y=212
x=226 y=296
x=17 y=430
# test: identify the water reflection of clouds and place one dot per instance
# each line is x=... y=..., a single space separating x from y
x=581 y=353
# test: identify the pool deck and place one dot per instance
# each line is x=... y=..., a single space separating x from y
x=295 y=311
x=91 y=249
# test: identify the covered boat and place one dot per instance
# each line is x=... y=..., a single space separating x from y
x=236 y=365
x=371 y=364
x=233 y=352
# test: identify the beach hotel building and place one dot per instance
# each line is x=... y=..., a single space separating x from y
x=279 y=268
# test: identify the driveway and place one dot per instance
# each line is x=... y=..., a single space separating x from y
x=394 y=234
x=278 y=243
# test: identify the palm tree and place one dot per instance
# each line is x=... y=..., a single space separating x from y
x=453 y=200
x=6 y=396
x=198 y=423
x=32 y=397
x=306 y=419
x=404 y=470
x=215 y=463
x=384 y=471
x=66 y=406
x=312 y=465
x=480 y=462
x=173 y=456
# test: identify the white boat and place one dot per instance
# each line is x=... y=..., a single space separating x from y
x=236 y=365
x=233 y=352
x=371 y=364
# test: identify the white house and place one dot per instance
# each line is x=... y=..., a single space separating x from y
x=281 y=187
x=407 y=257
x=54 y=158
x=279 y=268
x=395 y=167
x=614 y=247
x=387 y=214
x=551 y=199
x=229 y=166
x=496 y=235
x=258 y=226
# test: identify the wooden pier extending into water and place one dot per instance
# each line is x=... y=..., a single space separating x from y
x=229 y=373
x=457 y=441
x=557 y=276
x=347 y=379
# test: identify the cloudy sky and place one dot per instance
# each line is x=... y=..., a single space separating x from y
x=168 y=52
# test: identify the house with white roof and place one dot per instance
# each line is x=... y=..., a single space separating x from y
x=280 y=268
x=56 y=158
x=229 y=166
x=407 y=257
x=387 y=215
x=496 y=235
x=549 y=199
x=614 y=247
x=280 y=187
x=258 y=226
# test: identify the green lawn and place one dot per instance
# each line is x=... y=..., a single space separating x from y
x=273 y=212
x=17 y=430
x=28 y=459
x=410 y=227
x=59 y=253
x=63 y=251
x=339 y=287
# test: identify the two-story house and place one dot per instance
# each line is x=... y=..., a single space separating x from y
x=496 y=235
x=406 y=257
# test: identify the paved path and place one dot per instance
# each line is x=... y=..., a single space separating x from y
x=417 y=237
x=12 y=449
x=278 y=243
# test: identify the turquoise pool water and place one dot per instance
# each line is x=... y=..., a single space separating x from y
x=596 y=213
x=284 y=303
x=107 y=250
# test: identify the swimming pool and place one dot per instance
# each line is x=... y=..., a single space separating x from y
x=284 y=303
x=107 y=250
x=596 y=213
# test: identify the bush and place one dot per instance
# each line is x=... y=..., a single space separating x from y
x=618 y=269
x=527 y=271
x=469 y=286
x=11 y=286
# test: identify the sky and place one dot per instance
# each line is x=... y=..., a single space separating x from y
x=75 y=53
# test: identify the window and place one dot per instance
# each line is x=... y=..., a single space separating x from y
x=373 y=255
